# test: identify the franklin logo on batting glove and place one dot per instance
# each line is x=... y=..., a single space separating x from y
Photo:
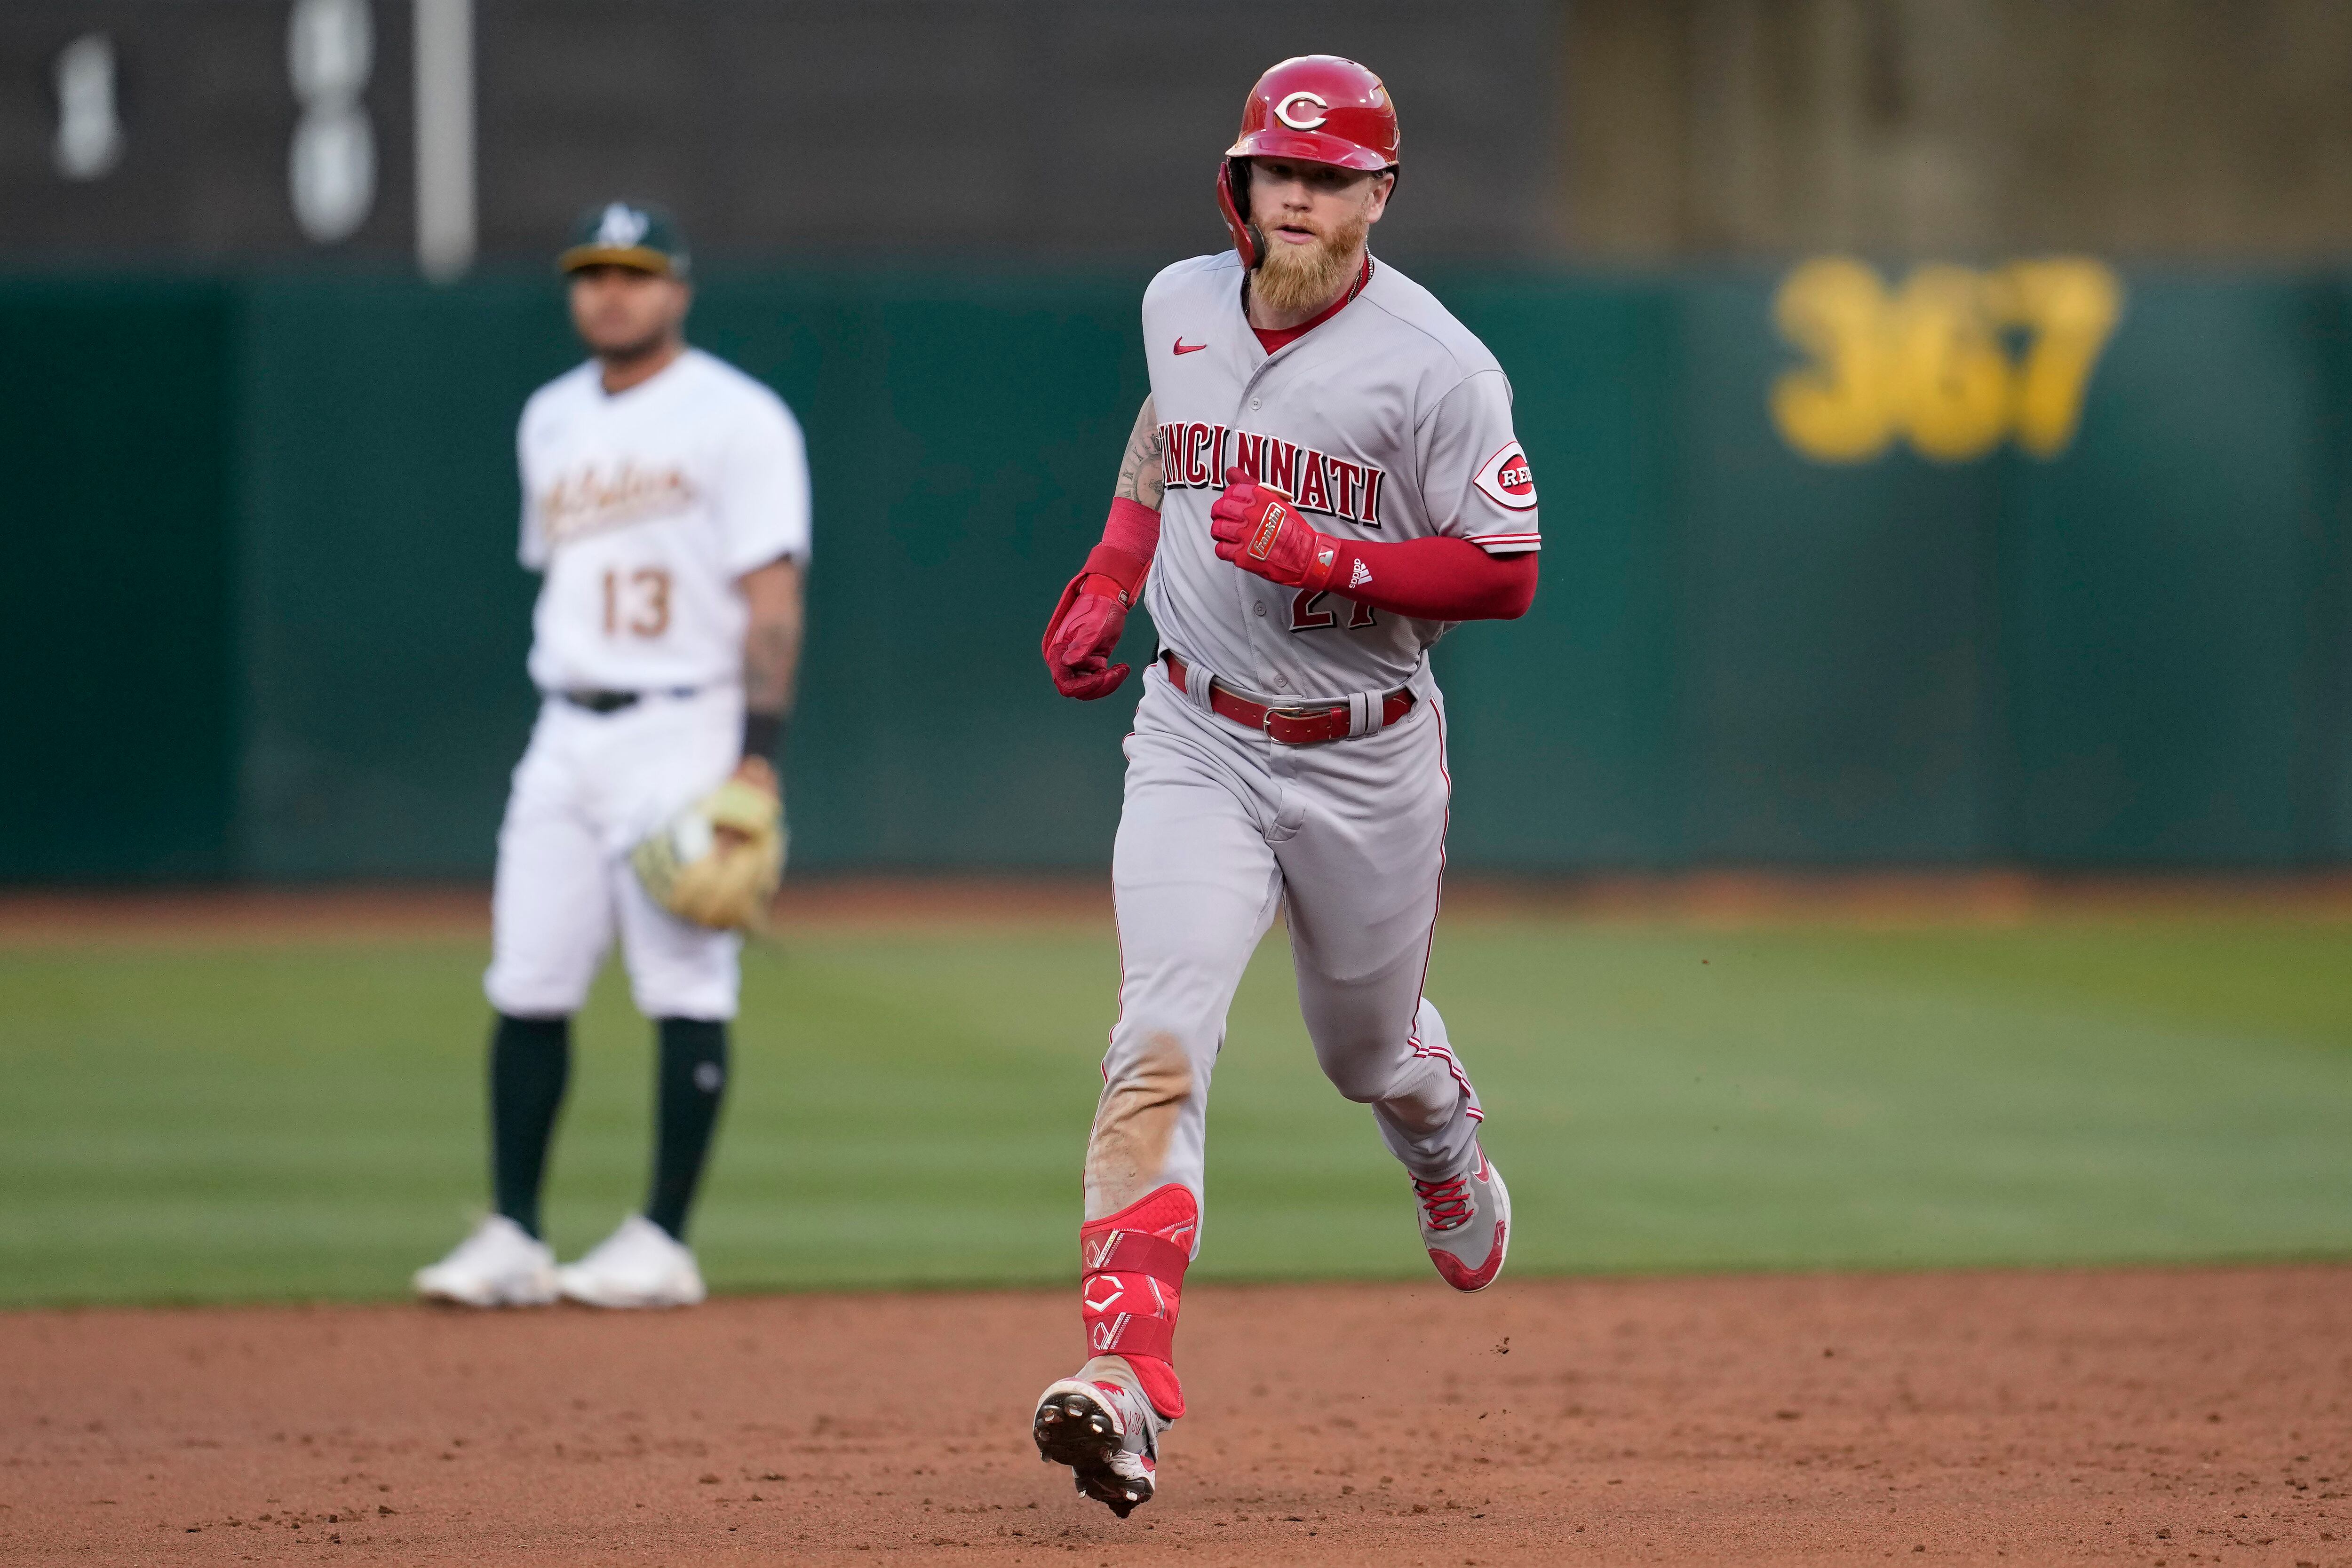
x=1269 y=528
x=1258 y=529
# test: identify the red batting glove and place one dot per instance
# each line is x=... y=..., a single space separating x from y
x=1086 y=627
x=1256 y=529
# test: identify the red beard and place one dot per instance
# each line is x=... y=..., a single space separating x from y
x=1295 y=278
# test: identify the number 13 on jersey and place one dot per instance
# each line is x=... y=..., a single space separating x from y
x=637 y=602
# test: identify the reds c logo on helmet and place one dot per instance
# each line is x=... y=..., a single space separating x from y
x=1301 y=111
x=1317 y=109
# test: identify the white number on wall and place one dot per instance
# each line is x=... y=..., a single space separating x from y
x=89 y=133
x=330 y=53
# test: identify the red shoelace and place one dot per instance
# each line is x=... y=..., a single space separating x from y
x=1447 y=1203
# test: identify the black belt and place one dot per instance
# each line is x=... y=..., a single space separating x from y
x=614 y=702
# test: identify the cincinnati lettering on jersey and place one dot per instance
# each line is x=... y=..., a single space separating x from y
x=1195 y=457
x=587 y=502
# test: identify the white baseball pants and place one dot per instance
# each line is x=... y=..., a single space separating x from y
x=1220 y=828
x=588 y=789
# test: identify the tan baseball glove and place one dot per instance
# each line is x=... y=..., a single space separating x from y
x=719 y=861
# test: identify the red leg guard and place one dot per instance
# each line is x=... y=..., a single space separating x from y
x=1134 y=1282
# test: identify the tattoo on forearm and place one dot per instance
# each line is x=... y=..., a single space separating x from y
x=772 y=657
x=1140 y=478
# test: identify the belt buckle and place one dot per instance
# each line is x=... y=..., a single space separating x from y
x=1296 y=715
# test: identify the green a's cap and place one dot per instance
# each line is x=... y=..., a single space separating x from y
x=626 y=234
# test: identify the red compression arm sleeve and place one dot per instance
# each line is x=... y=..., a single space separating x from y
x=1130 y=538
x=1132 y=526
x=1437 y=579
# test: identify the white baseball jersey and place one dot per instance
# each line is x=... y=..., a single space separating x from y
x=1389 y=421
x=642 y=508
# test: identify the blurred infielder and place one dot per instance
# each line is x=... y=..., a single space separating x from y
x=666 y=499
x=1323 y=480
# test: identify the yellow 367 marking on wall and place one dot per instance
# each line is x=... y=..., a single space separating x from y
x=1932 y=360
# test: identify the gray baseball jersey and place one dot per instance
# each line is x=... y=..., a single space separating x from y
x=1389 y=421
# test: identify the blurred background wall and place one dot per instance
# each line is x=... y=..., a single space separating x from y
x=2216 y=128
x=1941 y=408
x=1643 y=129
x=1032 y=128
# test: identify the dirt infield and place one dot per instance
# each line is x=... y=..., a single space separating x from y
x=2150 y=1417
x=50 y=917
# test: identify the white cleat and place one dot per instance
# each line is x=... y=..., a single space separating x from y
x=1106 y=1435
x=639 y=1265
x=500 y=1265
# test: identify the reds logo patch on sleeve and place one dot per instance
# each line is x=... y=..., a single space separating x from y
x=1507 y=480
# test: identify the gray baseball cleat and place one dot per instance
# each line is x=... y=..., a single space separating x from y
x=1465 y=1223
x=1107 y=1435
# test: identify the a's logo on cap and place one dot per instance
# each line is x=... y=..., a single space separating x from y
x=1289 y=111
x=621 y=227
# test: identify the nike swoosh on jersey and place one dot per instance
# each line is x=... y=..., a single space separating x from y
x=1184 y=347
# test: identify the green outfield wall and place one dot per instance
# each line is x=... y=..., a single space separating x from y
x=1845 y=565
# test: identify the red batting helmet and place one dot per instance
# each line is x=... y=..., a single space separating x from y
x=1317 y=108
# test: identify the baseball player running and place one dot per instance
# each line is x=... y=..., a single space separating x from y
x=1323 y=481
x=665 y=500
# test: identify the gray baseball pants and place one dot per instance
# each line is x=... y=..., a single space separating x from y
x=1221 y=828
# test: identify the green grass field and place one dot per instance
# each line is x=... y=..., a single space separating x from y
x=254 y=1121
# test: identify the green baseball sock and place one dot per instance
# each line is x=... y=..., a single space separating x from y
x=689 y=1081
x=531 y=1062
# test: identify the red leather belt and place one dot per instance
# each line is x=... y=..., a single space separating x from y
x=1308 y=724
